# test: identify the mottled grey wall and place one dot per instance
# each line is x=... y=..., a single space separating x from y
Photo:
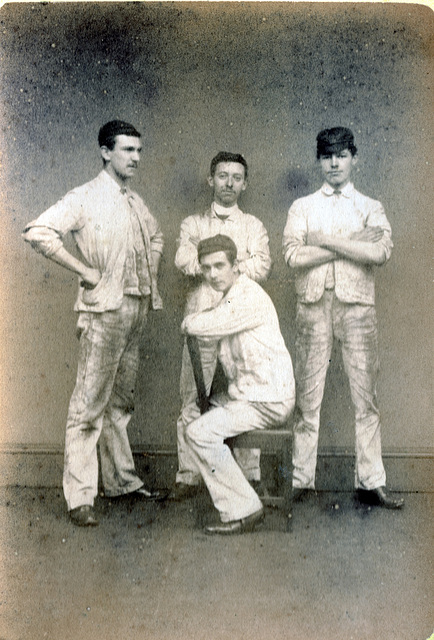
x=256 y=78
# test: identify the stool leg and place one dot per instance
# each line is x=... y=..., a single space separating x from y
x=286 y=470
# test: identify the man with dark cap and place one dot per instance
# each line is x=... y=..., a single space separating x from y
x=261 y=389
x=228 y=179
x=333 y=240
x=120 y=245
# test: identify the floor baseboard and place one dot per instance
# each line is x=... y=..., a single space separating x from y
x=39 y=466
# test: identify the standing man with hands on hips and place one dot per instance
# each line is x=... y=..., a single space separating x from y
x=120 y=245
x=333 y=240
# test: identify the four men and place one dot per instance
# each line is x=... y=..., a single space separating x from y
x=333 y=239
x=228 y=179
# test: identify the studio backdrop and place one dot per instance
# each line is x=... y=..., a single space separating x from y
x=195 y=78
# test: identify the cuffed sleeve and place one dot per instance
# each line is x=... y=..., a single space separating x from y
x=46 y=232
x=42 y=239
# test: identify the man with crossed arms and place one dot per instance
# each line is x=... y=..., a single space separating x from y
x=333 y=240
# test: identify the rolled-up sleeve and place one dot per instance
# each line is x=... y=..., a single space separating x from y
x=42 y=239
x=46 y=232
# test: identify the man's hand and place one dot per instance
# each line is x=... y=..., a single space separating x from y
x=90 y=278
x=368 y=234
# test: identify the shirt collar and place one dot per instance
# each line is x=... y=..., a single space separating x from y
x=110 y=183
x=346 y=191
x=233 y=212
x=238 y=282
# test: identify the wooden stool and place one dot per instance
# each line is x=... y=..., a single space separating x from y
x=277 y=442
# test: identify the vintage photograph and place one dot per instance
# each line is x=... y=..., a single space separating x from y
x=216 y=329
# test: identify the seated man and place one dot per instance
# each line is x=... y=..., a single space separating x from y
x=261 y=388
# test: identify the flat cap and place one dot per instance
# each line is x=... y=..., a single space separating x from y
x=215 y=244
x=335 y=140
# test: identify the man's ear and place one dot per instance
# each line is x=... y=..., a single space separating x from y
x=355 y=160
x=210 y=181
x=105 y=153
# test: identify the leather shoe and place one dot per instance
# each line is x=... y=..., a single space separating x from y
x=382 y=497
x=149 y=495
x=182 y=491
x=83 y=516
x=236 y=526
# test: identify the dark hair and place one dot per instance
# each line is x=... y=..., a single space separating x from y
x=215 y=244
x=108 y=132
x=227 y=156
x=334 y=140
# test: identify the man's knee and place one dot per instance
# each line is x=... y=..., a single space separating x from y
x=193 y=431
x=121 y=401
x=202 y=430
x=189 y=413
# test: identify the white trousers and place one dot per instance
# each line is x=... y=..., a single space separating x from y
x=230 y=491
x=102 y=404
x=355 y=327
x=188 y=473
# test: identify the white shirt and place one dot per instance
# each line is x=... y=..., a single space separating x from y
x=247 y=231
x=251 y=349
x=99 y=218
x=336 y=215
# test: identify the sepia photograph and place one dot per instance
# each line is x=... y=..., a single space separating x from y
x=216 y=333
